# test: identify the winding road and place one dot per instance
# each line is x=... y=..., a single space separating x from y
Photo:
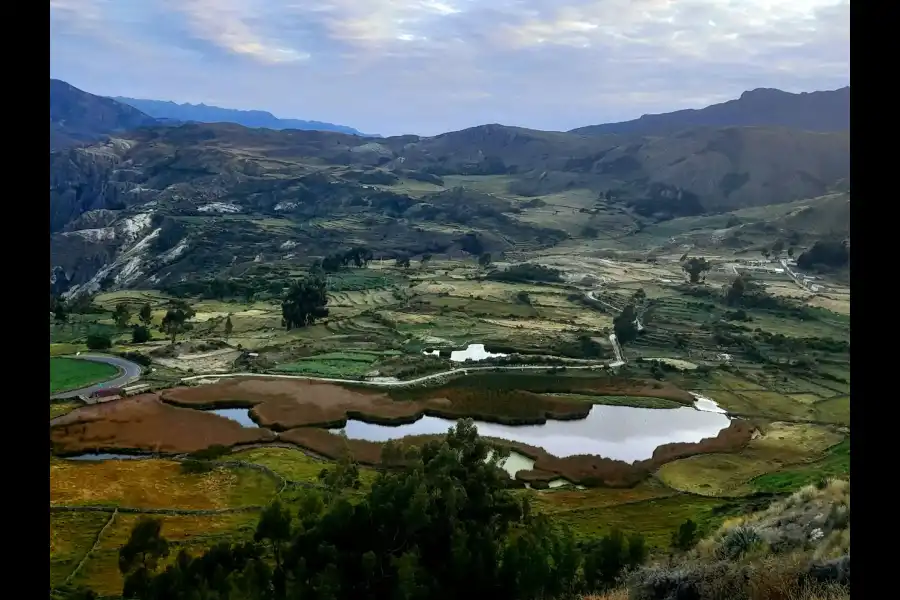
x=129 y=372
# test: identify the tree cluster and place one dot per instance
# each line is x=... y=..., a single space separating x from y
x=442 y=524
x=527 y=272
x=304 y=303
x=177 y=319
x=696 y=268
x=825 y=255
x=625 y=325
x=358 y=256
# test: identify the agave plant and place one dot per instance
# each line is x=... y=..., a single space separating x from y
x=739 y=541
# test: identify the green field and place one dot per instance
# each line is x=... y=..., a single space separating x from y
x=71 y=373
x=836 y=464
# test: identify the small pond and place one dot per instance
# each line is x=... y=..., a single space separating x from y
x=618 y=432
x=705 y=404
x=105 y=456
x=241 y=415
x=473 y=352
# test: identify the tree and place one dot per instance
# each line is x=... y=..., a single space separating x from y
x=484 y=260
x=304 y=303
x=176 y=322
x=229 y=327
x=402 y=262
x=360 y=256
x=274 y=527
x=140 y=334
x=146 y=315
x=765 y=252
x=343 y=475
x=778 y=247
x=441 y=522
x=98 y=341
x=696 y=268
x=607 y=559
x=791 y=252
x=685 y=536
x=828 y=254
x=60 y=312
x=625 y=325
x=140 y=555
x=122 y=315
x=425 y=259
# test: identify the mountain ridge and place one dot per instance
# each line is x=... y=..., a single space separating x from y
x=205 y=113
x=823 y=111
x=78 y=117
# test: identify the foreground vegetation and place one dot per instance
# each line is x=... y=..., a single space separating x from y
x=445 y=522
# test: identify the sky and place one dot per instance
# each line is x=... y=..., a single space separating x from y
x=430 y=66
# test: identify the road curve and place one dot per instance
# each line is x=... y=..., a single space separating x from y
x=128 y=373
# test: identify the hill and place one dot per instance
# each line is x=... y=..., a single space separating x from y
x=79 y=117
x=160 y=204
x=202 y=113
x=823 y=111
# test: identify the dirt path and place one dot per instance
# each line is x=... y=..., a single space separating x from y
x=96 y=543
x=386 y=382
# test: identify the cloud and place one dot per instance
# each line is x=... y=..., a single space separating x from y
x=427 y=66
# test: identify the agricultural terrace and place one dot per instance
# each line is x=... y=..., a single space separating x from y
x=778 y=363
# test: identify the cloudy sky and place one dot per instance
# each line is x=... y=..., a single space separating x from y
x=427 y=66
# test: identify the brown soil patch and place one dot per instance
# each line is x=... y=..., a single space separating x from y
x=584 y=469
x=284 y=404
x=146 y=424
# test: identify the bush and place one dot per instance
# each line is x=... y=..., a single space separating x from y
x=140 y=334
x=98 y=341
x=137 y=358
x=191 y=466
x=739 y=541
x=211 y=453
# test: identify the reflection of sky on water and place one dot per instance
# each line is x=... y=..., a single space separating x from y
x=617 y=432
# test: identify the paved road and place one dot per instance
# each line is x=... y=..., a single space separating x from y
x=129 y=372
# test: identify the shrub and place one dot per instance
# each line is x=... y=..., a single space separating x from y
x=140 y=334
x=739 y=541
x=211 y=453
x=138 y=358
x=192 y=466
x=98 y=341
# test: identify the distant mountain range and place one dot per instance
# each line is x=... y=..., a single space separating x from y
x=815 y=111
x=77 y=117
x=201 y=113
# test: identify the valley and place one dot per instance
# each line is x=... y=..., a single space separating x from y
x=650 y=331
x=373 y=360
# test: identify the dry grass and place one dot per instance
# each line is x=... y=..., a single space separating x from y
x=619 y=594
x=144 y=423
x=155 y=484
x=71 y=536
x=729 y=474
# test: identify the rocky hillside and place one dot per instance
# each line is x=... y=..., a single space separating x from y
x=203 y=113
x=167 y=203
x=77 y=117
x=798 y=548
x=815 y=111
